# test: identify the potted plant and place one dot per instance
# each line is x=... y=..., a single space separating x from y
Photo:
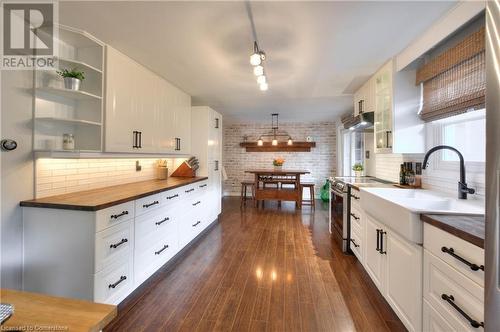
x=358 y=169
x=278 y=163
x=72 y=78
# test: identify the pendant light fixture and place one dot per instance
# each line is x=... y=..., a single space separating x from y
x=257 y=60
x=275 y=133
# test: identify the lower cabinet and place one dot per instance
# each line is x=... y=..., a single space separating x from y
x=103 y=256
x=395 y=266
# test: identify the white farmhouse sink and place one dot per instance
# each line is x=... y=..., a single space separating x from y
x=400 y=209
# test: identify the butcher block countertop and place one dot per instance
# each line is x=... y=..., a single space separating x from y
x=468 y=228
x=39 y=312
x=101 y=198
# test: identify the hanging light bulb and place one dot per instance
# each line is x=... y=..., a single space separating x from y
x=255 y=59
x=290 y=142
x=260 y=142
x=264 y=87
x=275 y=142
x=261 y=79
x=258 y=70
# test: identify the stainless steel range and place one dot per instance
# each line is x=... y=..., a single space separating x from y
x=340 y=205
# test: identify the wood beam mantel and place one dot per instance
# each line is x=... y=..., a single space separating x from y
x=281 y=147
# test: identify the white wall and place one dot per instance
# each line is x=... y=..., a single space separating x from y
x=16 y=170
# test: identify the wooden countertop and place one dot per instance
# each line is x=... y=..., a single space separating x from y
x=277 y=172
x=101 y=198
x=468 y=228
x=49 y=313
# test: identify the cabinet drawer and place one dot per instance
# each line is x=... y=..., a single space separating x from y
x=155 y=255
x=194 y=189
x=190 y=226
x=148 y=203
x=444 y=287
x=171 y=197
x=160 y=220
x=114 y=283
x=113 y=243
x=440 y=243
x=355 y=199
x=114 y=215
x=433 y=321
x=357 y=218
x=357 y=244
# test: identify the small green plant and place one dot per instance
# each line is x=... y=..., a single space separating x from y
x=358 y=167
x=74 y=73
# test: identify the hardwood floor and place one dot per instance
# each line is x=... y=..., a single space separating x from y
x=262 y=270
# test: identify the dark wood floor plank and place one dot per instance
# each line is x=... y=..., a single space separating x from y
x=271 y=269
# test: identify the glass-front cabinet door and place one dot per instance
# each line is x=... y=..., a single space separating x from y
x=383 y=109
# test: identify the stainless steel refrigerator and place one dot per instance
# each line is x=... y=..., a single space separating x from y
x=492 y=259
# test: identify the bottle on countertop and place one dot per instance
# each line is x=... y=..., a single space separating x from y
x=402 y=177
x=410 y=174
x=418 y=175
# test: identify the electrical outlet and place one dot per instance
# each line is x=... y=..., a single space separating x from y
x=138 y=166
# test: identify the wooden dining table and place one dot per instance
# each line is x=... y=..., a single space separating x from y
x=278 y=185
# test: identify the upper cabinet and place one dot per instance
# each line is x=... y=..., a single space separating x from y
x=395 y=100
x=144 y=113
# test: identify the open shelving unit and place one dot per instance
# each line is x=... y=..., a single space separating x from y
x=59 y=111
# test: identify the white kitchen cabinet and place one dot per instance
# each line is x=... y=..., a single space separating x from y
x=364 y=98
x=393 y=264
x=144 y=113
x=207 y=147
x=374 y=260
x=404 y=268
x=104 y=255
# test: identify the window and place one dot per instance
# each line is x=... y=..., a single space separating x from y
x=465 y=132
x=353 y=150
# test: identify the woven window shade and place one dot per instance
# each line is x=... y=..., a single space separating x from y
x=455 y=81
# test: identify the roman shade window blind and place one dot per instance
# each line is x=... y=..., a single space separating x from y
x=455 y=81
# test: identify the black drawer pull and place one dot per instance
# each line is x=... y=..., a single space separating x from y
x=378 y=239
x=203 y=185
x=382 y=251
x=189 y=190
x=116 y=245
x=196 y=223
x=194 y=204
x=122 y=278
x=158 y=223
x=355 y=244
x=174 y=196
x=150 y=204
x=354 y=196
x=451 y=300
x=116 y=216
x=354 y=216
x=451 y=252
x=161 y=250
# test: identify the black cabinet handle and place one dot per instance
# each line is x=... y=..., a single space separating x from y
x=116 y=245
x=360 y=105
x=189 y=190
x=451 y=252
x=216 y=123
x=177 y=144
x=122 y=278
x=150 y=204
x=140 y=139
x=382 y=251
x=354 y=216
x=158 y=223
x=174 y=196
x=355 y=244
x=116 y=216
x=451 y=300
x=194 y=204
x=161 y=250
x=378 y=239
x=135 y=143
x=203 y=185
x=216 y=165
x=196 y=223
x=354 y=196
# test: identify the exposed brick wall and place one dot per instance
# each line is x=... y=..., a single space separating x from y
x=321 y=161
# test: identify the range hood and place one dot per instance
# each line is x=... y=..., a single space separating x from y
x=360 y=122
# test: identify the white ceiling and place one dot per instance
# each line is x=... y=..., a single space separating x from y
x=318 y=52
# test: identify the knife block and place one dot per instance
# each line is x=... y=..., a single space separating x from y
x=184 y=170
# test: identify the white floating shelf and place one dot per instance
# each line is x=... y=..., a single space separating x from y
x=79 y=64
x=72 y=94
x=70 y=121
